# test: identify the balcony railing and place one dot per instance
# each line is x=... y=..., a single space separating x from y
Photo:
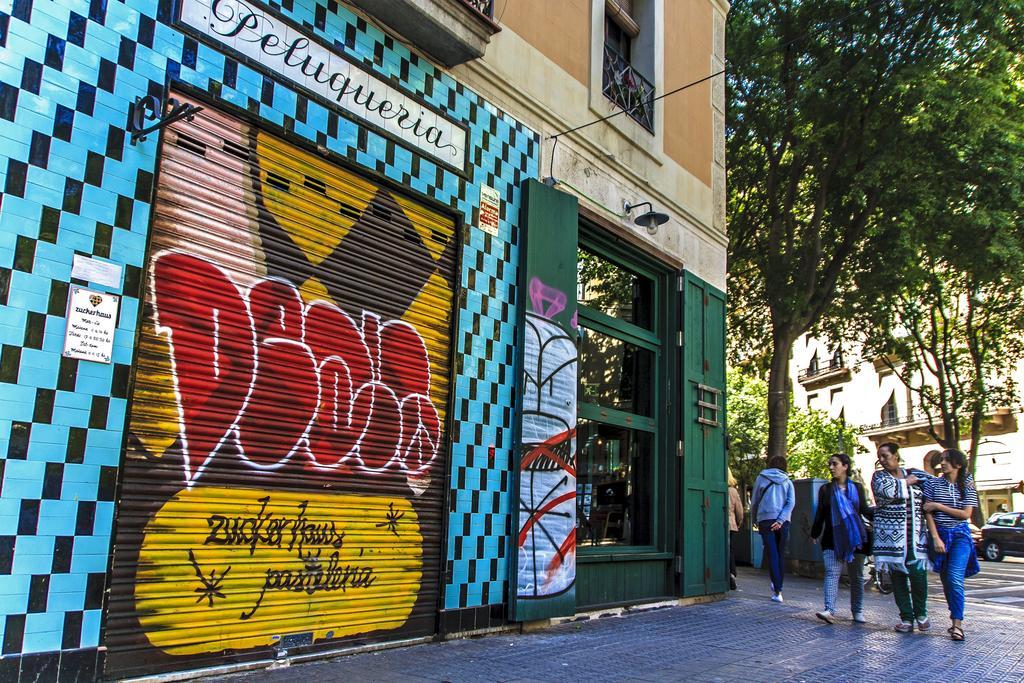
x=896 y=422
x=484 y=7
x=821 y=369
x=997 y=421
x=624 y=86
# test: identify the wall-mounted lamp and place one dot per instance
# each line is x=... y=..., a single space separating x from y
x=649 y=220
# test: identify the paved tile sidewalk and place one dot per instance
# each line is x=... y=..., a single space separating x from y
x=743 y=638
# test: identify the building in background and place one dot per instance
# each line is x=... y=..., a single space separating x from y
x=299 y=353
x=866 y=394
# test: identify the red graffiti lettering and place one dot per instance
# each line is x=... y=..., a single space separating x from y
x=280 y=379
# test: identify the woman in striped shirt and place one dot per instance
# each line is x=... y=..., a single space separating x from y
x=949 y=502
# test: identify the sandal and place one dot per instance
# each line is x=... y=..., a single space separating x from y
x=956 y=633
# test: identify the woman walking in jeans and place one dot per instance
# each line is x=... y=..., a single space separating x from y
x=951 y=500
x=901 y=538
x=771 y=505
x=839 y=522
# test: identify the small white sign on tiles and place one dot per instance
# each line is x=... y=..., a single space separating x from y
x=265 y=38
x=92 y=320
x=96 y=271
x=490 y=210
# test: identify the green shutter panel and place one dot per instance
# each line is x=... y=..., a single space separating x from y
x=705 y=493
x=716 y=541
x=693 y=439
x=543 y=572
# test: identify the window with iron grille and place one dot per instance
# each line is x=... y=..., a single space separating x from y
x=622 y=80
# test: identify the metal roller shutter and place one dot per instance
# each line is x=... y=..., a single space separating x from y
x=283 y=481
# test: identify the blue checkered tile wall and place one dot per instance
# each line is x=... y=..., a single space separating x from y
x=71 y=183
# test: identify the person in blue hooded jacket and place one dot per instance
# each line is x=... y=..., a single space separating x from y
x=771 y=505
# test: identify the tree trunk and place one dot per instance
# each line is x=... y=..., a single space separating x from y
x=778 y=395
x=977 y=418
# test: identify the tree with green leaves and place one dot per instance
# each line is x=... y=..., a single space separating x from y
x=813 y=435
x=953 y=330
x=825 y=99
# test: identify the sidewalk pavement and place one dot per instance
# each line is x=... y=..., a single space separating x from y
x=745 y=637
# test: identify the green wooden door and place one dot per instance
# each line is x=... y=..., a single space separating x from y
x=543 y=582
x=625 y=528
x=704 y=489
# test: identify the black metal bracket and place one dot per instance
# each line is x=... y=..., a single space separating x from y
x=150 y=108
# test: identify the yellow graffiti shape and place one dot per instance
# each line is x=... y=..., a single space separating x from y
x=435 y=230
x=239 y=568
x=422 y=315
x=155 y=420
x=314 y=202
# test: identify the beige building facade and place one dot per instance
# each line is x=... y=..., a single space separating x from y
x=867 y=395
x=547 y=66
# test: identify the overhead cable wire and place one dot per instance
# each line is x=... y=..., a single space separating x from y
x=781 y=46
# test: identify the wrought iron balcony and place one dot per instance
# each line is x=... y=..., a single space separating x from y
x=821 y=372
x=484 y=7
x=623 y=85
x=913 y=428
x=893 y=424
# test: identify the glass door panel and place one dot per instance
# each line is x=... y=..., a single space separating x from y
x=616 y=374
x=613 y=485
x=614 y=290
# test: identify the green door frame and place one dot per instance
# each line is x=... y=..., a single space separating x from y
x=658 y=340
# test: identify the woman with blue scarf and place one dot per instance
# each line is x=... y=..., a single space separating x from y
x=839 y=522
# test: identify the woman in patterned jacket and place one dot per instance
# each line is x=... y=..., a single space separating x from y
x=900 y=543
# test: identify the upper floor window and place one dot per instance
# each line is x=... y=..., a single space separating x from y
x=626 y=61
x=484 y=7
x=890 y=411
x=620 y=29
x=812 y=367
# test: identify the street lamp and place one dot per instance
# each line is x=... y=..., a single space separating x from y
x=649 y=220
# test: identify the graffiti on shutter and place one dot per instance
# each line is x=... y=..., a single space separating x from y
x=282 y=479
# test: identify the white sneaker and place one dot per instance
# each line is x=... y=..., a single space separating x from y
x=827 y=616
x=858 y=618
x=777 y=598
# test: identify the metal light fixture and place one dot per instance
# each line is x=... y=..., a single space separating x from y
x=649 y=220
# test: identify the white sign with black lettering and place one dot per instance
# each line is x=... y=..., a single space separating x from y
x=294 y=54
x=92 y=320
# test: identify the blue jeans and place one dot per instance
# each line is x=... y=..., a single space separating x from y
x=954 y=567
x=774 y=548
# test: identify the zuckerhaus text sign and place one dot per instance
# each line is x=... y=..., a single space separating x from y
x=289 y=52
